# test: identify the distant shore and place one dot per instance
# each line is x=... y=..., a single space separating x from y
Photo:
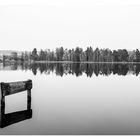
x=82 y=62
x=31 y=62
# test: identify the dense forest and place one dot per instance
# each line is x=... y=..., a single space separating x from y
x=77 y=55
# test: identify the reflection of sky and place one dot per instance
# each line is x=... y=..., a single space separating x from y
x=77 y=105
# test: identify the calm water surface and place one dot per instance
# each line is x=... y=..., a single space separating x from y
x=76 y=98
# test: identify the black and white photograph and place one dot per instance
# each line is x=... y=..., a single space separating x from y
x=69 y=67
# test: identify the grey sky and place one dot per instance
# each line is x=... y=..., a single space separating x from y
x=24 y=26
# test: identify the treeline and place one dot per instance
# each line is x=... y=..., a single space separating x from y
x=77 y=55
x=89 y=55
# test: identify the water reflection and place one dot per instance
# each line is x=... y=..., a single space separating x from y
x=77 y=69
x=15 y=117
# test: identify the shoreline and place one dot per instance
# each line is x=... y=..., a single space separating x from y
x=85 y=62
x=32 y=62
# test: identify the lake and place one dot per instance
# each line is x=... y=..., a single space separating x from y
x=75 y=98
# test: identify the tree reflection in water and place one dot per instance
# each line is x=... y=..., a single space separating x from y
x=78 y=69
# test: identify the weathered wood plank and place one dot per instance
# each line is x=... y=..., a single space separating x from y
x=11 y=118
x=15 y=87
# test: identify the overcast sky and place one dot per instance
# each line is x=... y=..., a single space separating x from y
x=44 y=24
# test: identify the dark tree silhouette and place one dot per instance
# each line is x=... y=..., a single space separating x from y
x=76 y=55
x=34 y=54
x=137 y=55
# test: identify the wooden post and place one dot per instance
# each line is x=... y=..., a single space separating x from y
x=2 y=105
x=2 y=100
x=28 y=99
x=29 y=87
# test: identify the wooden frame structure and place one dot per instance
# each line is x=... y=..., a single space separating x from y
x=7 y=89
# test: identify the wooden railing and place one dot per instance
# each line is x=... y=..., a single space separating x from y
x=7 y=89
